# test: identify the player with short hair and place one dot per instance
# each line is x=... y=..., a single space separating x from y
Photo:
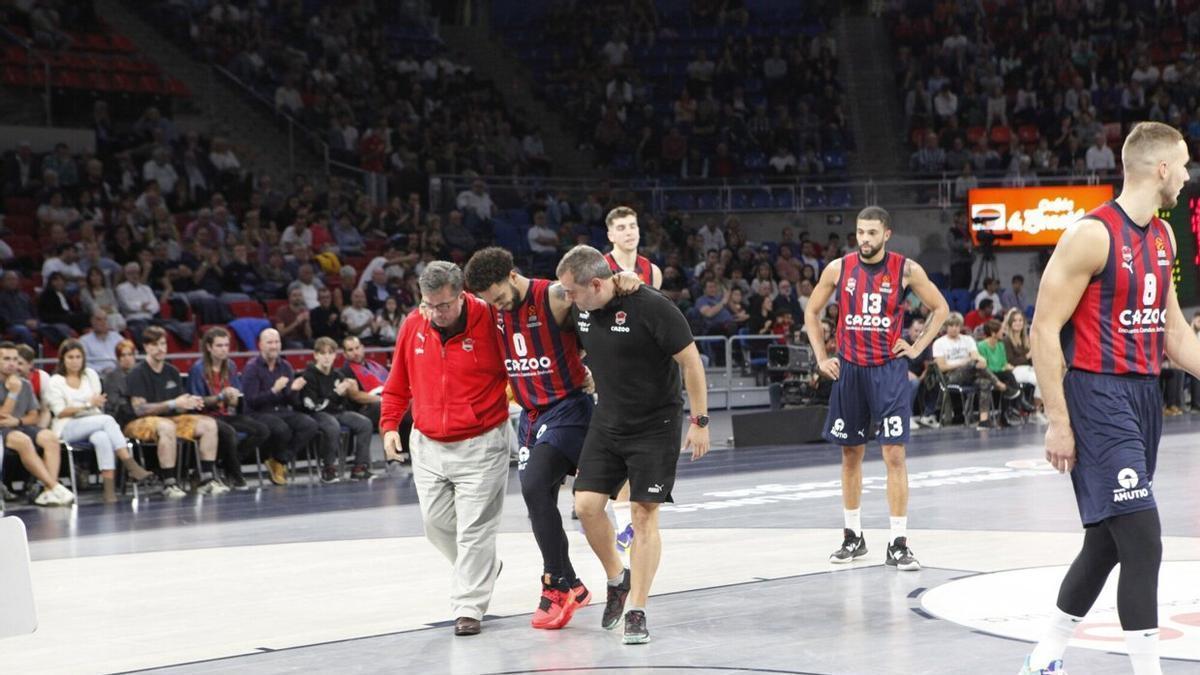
x=870 y=372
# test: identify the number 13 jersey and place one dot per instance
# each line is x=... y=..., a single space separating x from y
x=871 y=309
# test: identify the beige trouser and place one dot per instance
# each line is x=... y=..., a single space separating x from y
x=461 y=490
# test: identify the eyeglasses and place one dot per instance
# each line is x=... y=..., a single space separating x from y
x=441 y=307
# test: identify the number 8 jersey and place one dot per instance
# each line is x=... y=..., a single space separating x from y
x=871 y=309
x=542 y=359
x=1119 y=325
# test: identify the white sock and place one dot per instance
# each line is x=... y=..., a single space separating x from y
x=624 y=516
x=1059 y=630
x=899 y=526
x=853 y=520
x=1143 y=651
x=616 y=581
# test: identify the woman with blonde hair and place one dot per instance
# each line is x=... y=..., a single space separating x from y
x=1016 y=346
x=76 y=401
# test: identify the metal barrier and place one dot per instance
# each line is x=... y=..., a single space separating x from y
x=725 y=345
x=768 y=195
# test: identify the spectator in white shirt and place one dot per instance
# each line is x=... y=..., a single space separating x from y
x=958 y=358
x=711 y=237
x=158 y=169
x=1100 y=156
x=542 y=239
x=991 y=291
x=65 y=263
x=616 y=50
x=783 y=162
x=307 y=281
x=100 y=343
x=222 y=156
x=287 y=97
x=476 y=201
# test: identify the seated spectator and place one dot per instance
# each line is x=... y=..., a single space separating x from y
x=788 y=299
x=272 y=393
x=136 y=300
x=293 y=320
x=358 y=319
x=17 y=315
x=377 y=289
x=115 y=384
x=991 y=291
x=326 y=319
x=958 y=358
x=38 y=378
x=215 y=379
x=349 y=239
x=164 y=412
x=369 y=376
x=324 y=397
x=159 y=169
x=477 y=207
x=980 y=315
x=21 y=432
x=388 y=320
x=1014 y=296
x=98 y=296
x=1016 y=349
x=917 y=371
x=66 y=263
x=100 y=343
x=992 y=350
x=55 y=307
x=76 y=401
x=308 y=283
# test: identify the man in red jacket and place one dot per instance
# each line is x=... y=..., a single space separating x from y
x=450 y=368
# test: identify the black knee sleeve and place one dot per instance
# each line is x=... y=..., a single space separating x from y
x=1138 y=537
x=541 y=478
x=1087 y=574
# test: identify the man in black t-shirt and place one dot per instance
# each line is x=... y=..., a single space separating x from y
x=164 y=412
x=636 y=346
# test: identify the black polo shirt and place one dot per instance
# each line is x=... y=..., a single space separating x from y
x=630 y=347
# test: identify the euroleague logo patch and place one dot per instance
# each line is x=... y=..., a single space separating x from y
x=619 y=318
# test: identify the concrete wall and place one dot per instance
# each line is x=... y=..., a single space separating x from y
x=43 y=139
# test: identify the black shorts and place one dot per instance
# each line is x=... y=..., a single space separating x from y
x=647 y=460
x=29 y=430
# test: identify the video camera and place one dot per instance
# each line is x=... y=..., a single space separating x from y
x=790 y=359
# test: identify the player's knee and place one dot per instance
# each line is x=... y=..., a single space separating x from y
x=590 y=504
x=893 y=456
x=643 y=515
x=853 y=454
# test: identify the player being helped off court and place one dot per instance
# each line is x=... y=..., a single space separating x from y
x=870 y=372
x=622 y=226
x=548 y=380
x=1106 y=314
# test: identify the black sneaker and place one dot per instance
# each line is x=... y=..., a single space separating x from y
x=615 y=606
x=329 y=474
x=636 y=632
x=235 y=481
x=853 y=546
x=360 y=472
x=900 y=556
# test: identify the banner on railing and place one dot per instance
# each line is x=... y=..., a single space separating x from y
x=1029 y=216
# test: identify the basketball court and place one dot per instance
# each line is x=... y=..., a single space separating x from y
x=340 y=579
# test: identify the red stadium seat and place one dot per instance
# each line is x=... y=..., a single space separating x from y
x=273 y=306
x=974 y=134
x=1000 y=136
x=917 y=136
x=177 y=346
x=247 y=309
x=99 y=81
x=1113 y=132
x=1028 y=133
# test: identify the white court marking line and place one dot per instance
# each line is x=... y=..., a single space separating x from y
x=124 y=612
x=1017 y=603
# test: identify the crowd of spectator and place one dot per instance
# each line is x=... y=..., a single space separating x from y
x=713 y=92
x=378 y=89
x=1029 y=89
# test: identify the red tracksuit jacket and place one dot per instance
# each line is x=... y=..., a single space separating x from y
x=457 y=389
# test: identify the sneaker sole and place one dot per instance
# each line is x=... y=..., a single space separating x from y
x=635 y=639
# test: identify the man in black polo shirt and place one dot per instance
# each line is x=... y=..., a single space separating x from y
x=636 y=346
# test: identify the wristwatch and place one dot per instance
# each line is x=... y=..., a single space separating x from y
x=699 y=420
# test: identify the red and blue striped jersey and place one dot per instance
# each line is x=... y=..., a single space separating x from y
x=1119 y=325
x=871 y=304
x=542 y=359
x=643 y=268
